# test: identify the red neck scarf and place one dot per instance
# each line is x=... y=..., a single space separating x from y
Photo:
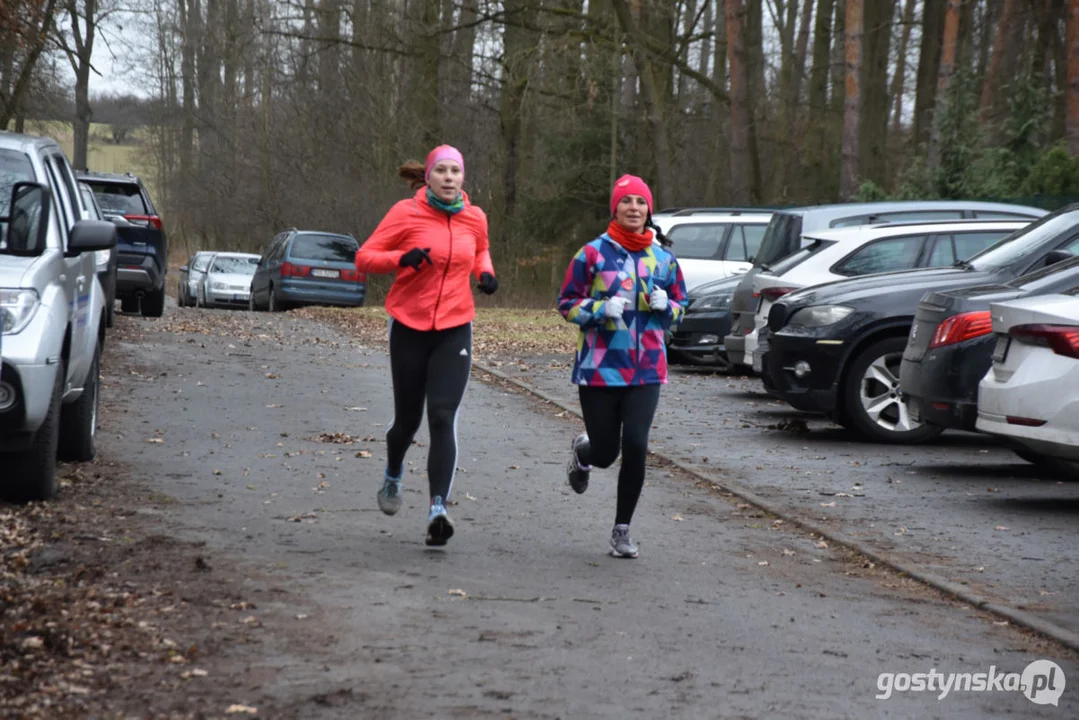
x=634 y=242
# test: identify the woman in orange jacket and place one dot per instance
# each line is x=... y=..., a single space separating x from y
x=434 y=242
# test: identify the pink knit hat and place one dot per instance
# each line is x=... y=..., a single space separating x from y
x=629 y=185
x=443 y=152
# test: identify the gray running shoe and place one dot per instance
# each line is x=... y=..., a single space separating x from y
x=389 y=497
x=439 y=525
x=576 y=473
x=621 y=545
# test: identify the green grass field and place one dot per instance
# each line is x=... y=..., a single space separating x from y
x=134 y=155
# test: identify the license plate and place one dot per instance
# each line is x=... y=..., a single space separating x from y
x=323 y=272
x=758 y=362
x=1000 y=352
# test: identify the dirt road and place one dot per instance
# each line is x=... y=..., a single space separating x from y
x=251 y=446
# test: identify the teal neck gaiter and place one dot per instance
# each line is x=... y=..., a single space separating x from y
x=449 y=208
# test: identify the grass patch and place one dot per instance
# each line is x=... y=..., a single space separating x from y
x=499 y=334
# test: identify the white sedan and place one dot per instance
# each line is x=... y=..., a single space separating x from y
x=1031 y=393
x=228 y=279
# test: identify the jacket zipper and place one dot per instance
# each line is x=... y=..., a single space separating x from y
x=637 y=317
x=442 y=285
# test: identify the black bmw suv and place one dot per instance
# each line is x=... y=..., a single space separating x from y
x=140 y=240
x=836 y=348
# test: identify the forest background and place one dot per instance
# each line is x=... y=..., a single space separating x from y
x=247 y=117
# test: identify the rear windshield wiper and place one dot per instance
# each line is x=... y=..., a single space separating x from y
x=964 y=265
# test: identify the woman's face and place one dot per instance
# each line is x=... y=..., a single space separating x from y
x=445 y=180
x=631 y=213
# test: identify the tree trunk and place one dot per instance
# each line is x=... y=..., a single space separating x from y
x=873 y=126
x=654 y=91
x=989 y=84
x=900 y=78
x=817 y=100
x=189 y=29
x=925 y=100
x=720 y=153
x=852 y=103
x=517 y=44
x=736 y=56
x=83 y=30
x=424 y=97
x=949 y=49
x=1073 y=77
x=757 y=91
x=801 y=47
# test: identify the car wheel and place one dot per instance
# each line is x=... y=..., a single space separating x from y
x=272 y=304
x=181 y=301
x=110 y=315
x=129 y=304
x=1065 y=469
x=33 y=471
x=78 y=421
x=153 y=303
x=873 y=401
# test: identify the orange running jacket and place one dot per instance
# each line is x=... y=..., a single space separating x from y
x=438 y=296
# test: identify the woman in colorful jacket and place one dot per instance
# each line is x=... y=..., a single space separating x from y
x=433 y=242
x=624 y=292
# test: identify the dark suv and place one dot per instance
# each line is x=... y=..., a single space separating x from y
x=140 y=240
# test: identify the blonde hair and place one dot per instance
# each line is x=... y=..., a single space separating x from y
x=413 y=173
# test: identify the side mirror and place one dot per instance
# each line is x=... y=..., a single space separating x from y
x=1055 y=256
x=183 y=268
x=91 y=235
x=28 y=220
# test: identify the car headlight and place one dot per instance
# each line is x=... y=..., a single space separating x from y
x=220 y=286
x=820 y=315
x=712 y=302
x=17 y=307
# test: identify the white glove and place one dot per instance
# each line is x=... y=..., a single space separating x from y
x=658 y=300
x=615 y=306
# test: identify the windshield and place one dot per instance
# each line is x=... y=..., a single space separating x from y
x=1047 y=276
x=118 y=198
x=781 y=238
x=237 y=265
x=334 y=248
x=14 y=167
x=1016 y=247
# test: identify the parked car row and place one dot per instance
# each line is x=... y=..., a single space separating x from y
x=900 y=330
x=297 y=268
x=56 y=259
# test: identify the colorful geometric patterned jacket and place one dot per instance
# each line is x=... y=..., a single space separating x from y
x=630 y=350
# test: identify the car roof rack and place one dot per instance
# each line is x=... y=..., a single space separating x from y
x=685 y=211
x=877 y=222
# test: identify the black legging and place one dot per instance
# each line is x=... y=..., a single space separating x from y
x=620 y=413
x=431 y=365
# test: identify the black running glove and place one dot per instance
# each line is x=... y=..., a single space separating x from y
x=415 y=258
x=488 y=283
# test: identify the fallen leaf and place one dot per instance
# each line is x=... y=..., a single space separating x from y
x=236 y=709
x=272 y=376
x=676 y=518
x=155 y=440
x=828 y=504
x=763 y=562
x=458 y=593
x=1001 y=527
x=822 y=545
x=788 y=552
x=217 y=472
x=363 y=454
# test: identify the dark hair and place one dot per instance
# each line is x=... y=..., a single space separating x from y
x=413 y=173
x=663 y=239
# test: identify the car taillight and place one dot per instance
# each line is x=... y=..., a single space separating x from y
x=1061 y=339
x=353 y=276
x=963 y=326
x=290 y=270
x=772 y=293
x=146 y=220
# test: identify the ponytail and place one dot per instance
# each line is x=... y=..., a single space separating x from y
x=663 y=239
x=413 y=173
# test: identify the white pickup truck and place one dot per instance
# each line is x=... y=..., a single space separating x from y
x=52 y=317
